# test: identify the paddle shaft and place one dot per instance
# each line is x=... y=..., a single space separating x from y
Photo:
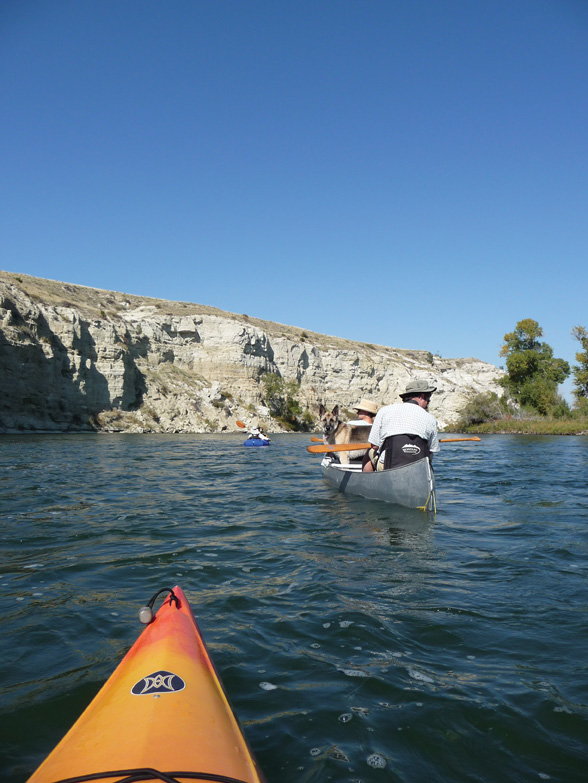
x=455 y=440
x=327 y=448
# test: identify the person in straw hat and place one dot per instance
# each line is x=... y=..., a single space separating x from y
x=366 y=410
x=404 y=432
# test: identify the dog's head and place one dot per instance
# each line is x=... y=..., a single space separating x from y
x=329 y=420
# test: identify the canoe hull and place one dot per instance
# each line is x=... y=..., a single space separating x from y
x=411 y=486
x=163 y=708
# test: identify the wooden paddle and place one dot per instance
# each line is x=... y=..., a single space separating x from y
x=314 y=439
x=327 y=448
x=455 y=440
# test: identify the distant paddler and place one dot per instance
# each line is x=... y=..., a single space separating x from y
x=254 y=433
x=257 y=433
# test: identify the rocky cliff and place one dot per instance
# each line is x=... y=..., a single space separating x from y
x=77 y=358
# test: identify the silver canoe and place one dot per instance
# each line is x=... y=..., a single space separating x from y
x=412 y=486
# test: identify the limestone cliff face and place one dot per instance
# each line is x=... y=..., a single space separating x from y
x=77 y=358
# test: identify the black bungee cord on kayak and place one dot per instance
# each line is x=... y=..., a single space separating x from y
x=146 y=613
x=137 y=775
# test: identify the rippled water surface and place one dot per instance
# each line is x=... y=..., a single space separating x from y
x=357 y=641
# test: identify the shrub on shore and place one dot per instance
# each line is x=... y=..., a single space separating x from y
x=483 y=408
x=488 y=413
x=281 y=397
x=534 y=426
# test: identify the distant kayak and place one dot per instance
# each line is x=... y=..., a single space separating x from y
x=162 y=715
x=256 y=442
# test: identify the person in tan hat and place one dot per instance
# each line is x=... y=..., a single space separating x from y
x=404 y=432
x=366 y=410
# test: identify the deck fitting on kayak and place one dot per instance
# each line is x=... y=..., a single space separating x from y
x=146 y=613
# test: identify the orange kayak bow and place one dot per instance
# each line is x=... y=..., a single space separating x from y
x=163 y=715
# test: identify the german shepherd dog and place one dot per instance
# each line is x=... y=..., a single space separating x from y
x=337 y=431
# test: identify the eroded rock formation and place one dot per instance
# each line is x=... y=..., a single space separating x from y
x=75 y=358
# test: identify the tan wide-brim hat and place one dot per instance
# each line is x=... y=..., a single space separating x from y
x=366 y=405
x=418 y=386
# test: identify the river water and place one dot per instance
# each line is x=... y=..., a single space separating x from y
x=357 y=641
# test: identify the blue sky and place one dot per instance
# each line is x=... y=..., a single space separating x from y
x=412 y=174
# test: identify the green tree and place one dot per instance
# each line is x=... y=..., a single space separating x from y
x=533 y=372
x=580 y=373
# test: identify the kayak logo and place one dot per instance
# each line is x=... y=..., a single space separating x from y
x=410 y=448
x=158 y=682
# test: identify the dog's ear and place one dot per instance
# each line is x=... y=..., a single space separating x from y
x=321 y=410
x=335 y=411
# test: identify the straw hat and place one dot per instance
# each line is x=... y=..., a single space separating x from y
x=366 y=405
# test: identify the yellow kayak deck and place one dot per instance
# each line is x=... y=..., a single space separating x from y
x=162 y=712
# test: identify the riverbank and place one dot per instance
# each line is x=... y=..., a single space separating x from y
x=532 y=426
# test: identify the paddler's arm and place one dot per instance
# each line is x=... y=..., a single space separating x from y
x=368 y=466
x=373 y=436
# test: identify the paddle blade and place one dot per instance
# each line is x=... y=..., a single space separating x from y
x=327 y=448
x=314 y=439
x=240 y=424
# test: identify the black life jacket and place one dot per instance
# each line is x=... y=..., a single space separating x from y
x=403 y=449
